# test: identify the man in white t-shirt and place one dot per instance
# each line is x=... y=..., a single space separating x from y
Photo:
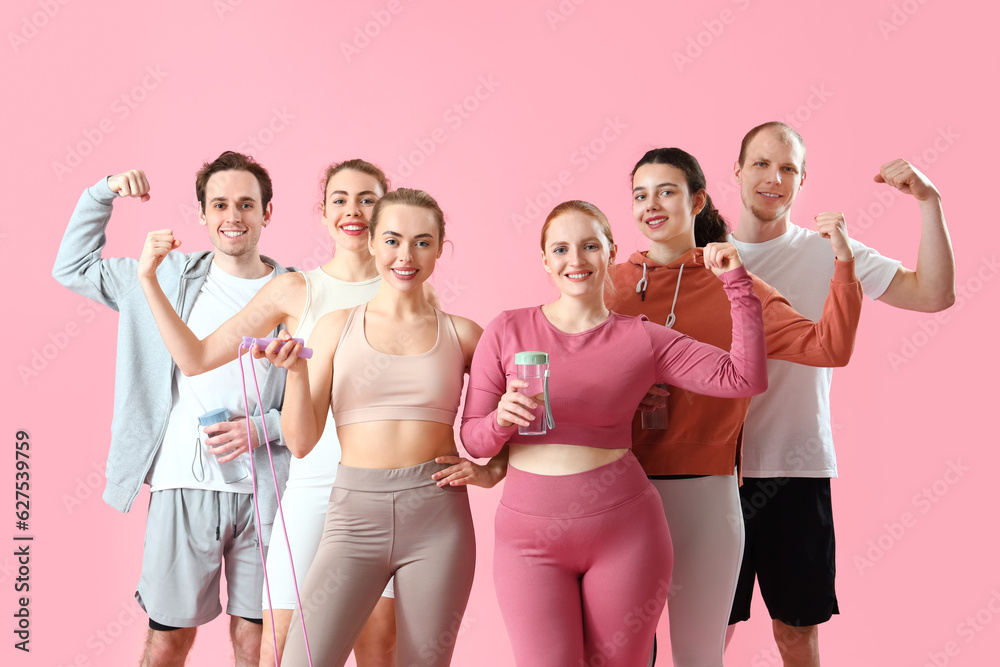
x=788 y=455
x=201 y=512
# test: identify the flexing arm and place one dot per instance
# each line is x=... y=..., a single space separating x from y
x=932 y=286
x=265 y=311
x=830 y=341
x=79 y=265
x=308 y=384
x=705 y=369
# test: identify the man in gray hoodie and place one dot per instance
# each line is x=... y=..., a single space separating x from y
x=201 y=515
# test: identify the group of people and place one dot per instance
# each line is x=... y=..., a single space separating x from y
x=602 y=522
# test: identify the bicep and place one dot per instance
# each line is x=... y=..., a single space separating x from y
x=903 y=290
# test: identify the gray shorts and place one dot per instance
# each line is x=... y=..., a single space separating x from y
x=190 y=535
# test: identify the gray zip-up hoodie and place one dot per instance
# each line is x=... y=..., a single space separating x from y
x=144 y=369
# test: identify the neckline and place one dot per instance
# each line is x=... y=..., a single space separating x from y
x=364 y=337
x=763 y=245
x=326 y=276
x=597 y=326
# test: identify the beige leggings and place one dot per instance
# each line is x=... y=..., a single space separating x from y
x=382 y=523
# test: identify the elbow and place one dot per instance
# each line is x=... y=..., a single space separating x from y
x=189 y=369
x=945 y=300
x=758 y=386
x=298 y=449
x=841 y=358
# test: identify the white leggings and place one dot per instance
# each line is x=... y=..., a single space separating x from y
x=706 y=525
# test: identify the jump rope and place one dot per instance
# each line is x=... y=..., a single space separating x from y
x=247 y=343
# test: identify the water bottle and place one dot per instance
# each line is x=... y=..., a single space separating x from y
x=655 y=419
x=533 y=368
x=232 y=471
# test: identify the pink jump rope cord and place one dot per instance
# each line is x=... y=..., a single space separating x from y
x=256 y=506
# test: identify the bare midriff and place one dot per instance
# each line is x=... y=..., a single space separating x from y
x=556 y=459
x=394 y=444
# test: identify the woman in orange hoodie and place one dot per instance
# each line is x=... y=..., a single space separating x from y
x=693 y=462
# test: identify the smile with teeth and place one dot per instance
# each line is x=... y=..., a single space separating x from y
x=582 y=275
x=405 y=273
x=354 y=227
x=232 y=233
x=656 y=222
x=769 y=195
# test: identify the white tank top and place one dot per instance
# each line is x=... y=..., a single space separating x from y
x=325 y=294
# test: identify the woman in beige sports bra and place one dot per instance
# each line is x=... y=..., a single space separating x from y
x=392 y=371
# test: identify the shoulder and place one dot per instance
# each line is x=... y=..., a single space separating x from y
x=465 y=328
x=331 y=326
x=291 y=283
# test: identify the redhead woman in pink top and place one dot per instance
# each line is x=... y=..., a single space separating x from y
x=583 y=554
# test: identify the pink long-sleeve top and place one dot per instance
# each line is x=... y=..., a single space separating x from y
x=599 y=376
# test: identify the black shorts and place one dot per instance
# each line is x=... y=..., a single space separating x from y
x=790 y=549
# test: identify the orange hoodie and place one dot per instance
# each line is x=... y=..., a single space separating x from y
x=703 y=437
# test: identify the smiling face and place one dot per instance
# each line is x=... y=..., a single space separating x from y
x=233 y=212
x=577 y=254
x=405 y=245
x=663 y=206
x=347 y=207
x=771 y=175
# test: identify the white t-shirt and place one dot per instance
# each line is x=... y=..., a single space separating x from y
x=788 y=430
x=183 y=460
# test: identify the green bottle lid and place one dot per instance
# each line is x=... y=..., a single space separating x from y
x=531 y=358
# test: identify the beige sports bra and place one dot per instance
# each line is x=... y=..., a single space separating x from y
x=369 y=385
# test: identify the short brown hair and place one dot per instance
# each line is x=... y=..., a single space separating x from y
x=232 y=161
x=786 y=131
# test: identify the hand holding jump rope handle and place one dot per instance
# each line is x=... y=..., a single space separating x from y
x=249 y=341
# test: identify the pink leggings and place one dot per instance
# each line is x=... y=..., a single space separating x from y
x=582 y=566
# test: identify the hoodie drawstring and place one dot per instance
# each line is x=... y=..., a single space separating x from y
x=640 y=288
x=671 y=318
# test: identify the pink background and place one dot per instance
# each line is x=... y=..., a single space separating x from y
x=102 y=87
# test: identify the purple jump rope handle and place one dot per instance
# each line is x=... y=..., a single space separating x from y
x=248 y=342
